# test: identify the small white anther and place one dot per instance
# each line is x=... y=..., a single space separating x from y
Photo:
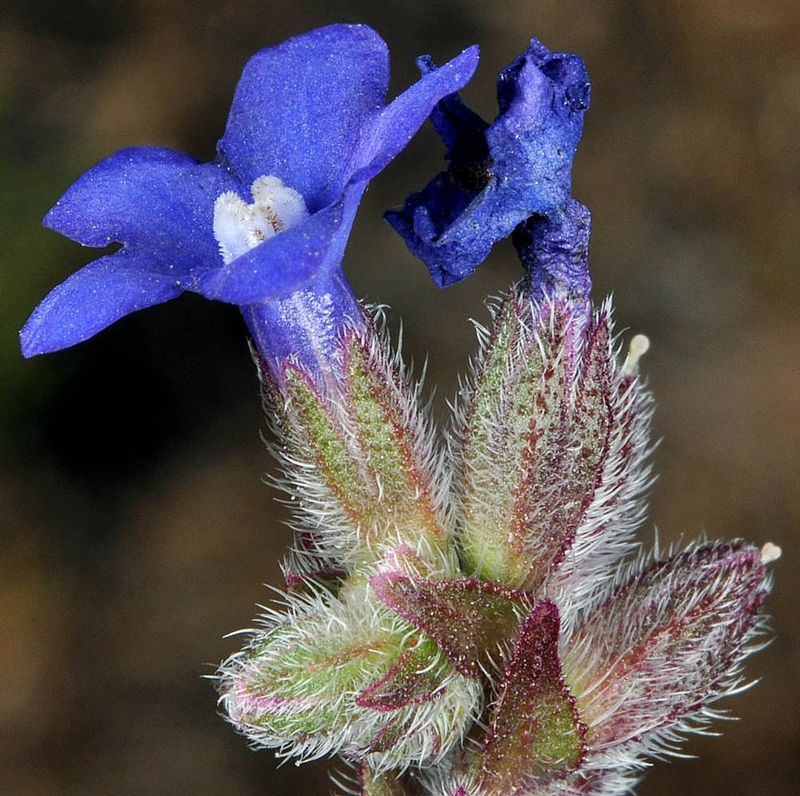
x=770 y=552
x=239 y=226
x=639 y=345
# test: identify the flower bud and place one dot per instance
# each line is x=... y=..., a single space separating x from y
x=360 y=463
x=554 y=442
x=645 y=664
x=346 y=676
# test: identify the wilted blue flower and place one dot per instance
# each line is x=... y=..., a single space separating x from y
x=503 y=174
x=265 y=224
x=554 y=248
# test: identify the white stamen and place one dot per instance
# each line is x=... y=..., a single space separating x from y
x=239 y=227
x=639 y=345
x=770 y=552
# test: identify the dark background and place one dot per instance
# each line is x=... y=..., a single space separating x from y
x=136 y=530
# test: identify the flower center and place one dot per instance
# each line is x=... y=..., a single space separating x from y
x=239 y=227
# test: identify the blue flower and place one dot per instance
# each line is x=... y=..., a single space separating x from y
x=500 y=176
x=264 y=225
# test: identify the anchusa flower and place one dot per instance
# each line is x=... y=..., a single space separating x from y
x=502 y=175
x=263 y=226
x=468 y=620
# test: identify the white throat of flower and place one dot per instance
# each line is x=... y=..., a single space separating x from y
x=239 y=227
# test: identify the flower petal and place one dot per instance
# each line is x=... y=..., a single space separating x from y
x=461 y=129
x=542 y=98
x=148 y=198
x=287 y=262
x=393 y=127
x=299 y=109
x=92 y=299
x=426 y=216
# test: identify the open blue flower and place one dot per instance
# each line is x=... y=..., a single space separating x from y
x=267 y=221
x=503 y=174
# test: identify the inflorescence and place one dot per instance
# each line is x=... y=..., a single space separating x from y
x=468 y=619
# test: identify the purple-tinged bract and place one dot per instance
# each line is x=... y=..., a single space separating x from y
x=534 y=727
x=469 y=620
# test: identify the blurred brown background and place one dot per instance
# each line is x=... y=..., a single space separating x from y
x=136 y=530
